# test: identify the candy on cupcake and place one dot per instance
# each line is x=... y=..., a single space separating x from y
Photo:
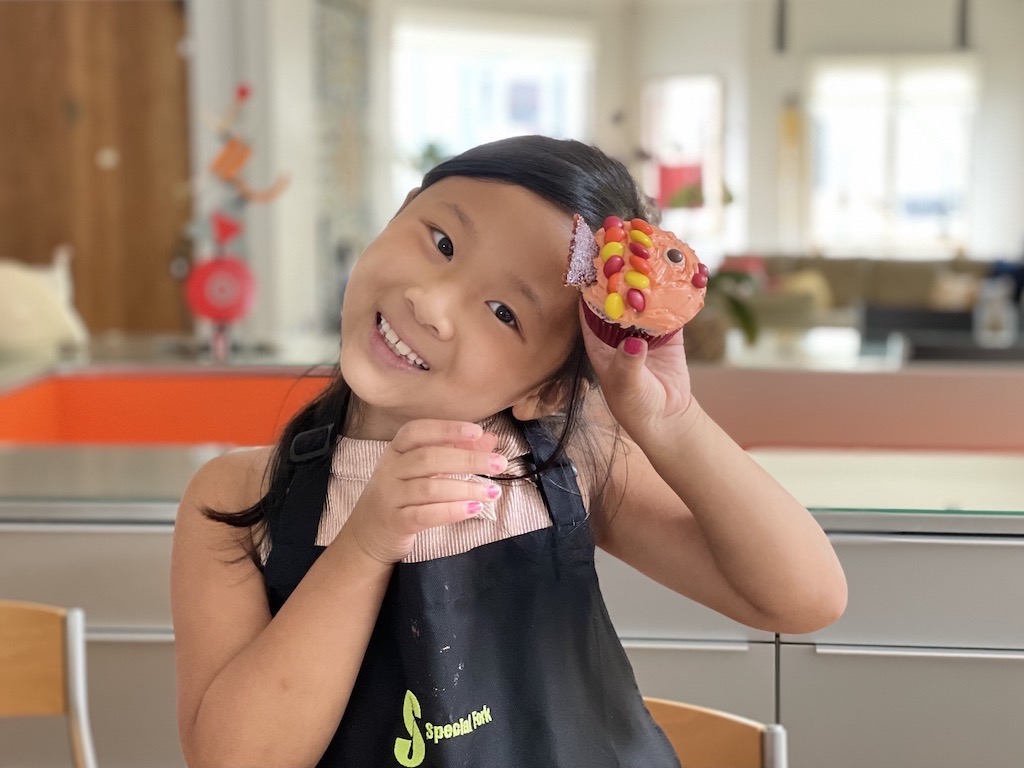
x=635 y=280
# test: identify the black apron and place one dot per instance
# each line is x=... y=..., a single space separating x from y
x=503 y=656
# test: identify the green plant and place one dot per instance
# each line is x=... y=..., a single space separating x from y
x=733 y=289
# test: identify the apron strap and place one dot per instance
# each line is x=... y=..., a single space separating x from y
x=311 y=452
x=557 y=484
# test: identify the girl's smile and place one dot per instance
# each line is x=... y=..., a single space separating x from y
x=395 y=343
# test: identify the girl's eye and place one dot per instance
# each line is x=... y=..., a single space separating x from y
x=443 y=243
x=503 y=313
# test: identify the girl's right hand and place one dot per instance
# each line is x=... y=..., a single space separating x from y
x=412 y=488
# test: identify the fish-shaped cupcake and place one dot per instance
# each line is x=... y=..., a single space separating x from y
x=635 y=280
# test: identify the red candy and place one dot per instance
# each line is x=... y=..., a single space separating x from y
x=614 y=235
x=699 y=280
x=639 y=249
x=612 y=221
x=643 y=226
x=636 y=299
x=703 y=269
x=613 y=265
x=639 y=264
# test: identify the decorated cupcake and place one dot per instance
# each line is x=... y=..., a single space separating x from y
x=635 y=280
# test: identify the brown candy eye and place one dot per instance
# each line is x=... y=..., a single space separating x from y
x=674 y=255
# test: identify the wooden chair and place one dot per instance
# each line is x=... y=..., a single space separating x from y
x=42 y=670
x=709 y=738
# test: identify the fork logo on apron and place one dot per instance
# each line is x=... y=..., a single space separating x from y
x=410 y=752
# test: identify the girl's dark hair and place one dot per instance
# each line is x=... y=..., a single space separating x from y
x=575 y=177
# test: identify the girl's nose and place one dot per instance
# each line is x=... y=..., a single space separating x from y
x=433 y=306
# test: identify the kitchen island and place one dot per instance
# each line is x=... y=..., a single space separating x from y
x=925 y=508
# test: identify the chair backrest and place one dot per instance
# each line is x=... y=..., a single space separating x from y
x=42 y=669
x=710 y=738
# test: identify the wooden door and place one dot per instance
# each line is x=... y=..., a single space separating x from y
x=94 y=152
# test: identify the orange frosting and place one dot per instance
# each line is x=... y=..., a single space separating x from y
x=670 y=301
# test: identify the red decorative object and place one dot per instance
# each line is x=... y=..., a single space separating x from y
x=225 y=228
x=221 y=289
x=674 y=179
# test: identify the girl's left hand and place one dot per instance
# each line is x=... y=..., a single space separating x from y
x=645 y=390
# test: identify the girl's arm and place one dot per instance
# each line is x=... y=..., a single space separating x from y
x=255 y=690
x=252 y=691
x=688 y=507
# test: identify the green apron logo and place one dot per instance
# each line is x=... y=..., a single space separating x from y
x=410 y=752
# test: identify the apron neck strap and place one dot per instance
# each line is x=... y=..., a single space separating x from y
x=311 y=452
x=557 y=483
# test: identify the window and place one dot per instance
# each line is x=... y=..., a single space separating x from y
x=465 y=81
x=682 y=135
x=891 y=155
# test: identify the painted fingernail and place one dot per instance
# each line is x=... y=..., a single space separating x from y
x=633 y=346
x=493 y=491
x=474 y=507
x=498 y=462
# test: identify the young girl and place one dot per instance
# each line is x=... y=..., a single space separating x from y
x=406 y=578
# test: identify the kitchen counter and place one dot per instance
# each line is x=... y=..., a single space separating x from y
x=847 y=490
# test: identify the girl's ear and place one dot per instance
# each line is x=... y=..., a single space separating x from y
x=544 y=400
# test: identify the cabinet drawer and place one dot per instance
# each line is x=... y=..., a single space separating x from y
x=938 y=591
x=850 y=707
x=118 y=574
x=642 y=608
x=737 y=677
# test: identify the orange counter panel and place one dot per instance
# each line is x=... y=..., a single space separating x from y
x=129 y=408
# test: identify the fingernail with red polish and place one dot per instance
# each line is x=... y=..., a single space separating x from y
x=474 y=507
x=633 y=346
x=498 y=462
x=493 y=491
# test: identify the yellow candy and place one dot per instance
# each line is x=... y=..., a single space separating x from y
x=614 y=306
x=612 y=249
x=638 y=279
x=639 y=237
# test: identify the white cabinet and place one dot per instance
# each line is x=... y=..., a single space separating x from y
x=925 y=668
x=929 y=590
x=682 y=650
x=118 y=573
x=900 y=707
x=736 y=677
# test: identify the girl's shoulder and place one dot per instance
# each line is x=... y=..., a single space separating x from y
x=232 y=481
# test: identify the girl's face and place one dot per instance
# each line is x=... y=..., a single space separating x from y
x=457 y=310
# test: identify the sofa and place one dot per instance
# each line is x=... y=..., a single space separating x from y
x=801 y=291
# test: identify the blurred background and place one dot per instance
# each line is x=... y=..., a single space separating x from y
x=849 y=156
x=184 y=187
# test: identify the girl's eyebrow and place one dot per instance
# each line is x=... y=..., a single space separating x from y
x=462 y=216
x=526 y=290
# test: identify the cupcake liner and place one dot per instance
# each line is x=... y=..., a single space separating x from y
x=612 y=334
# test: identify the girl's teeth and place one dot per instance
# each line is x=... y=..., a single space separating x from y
x=398 y=346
